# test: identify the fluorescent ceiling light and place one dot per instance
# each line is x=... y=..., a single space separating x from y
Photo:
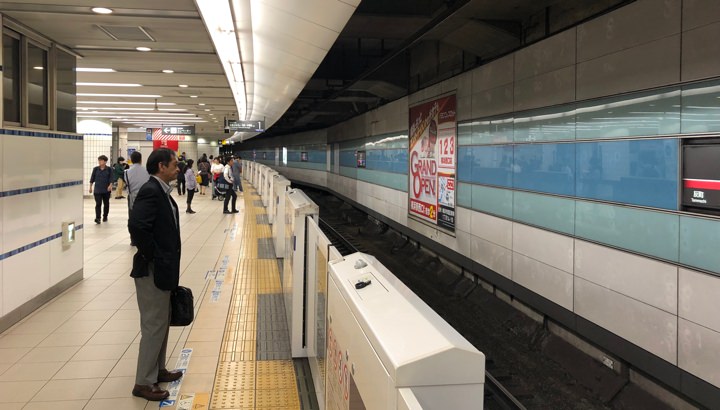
x=101 y=10
x=109 y=84
x=119 y=95
x=156 y=114
x=130 y=109
x=94 y=70
x=168 y=71
x=201 y=104
x=193 y=96
x=38 y=68
x=143 y=48
x=207 y=109
x=183 y=86
x=123 y=103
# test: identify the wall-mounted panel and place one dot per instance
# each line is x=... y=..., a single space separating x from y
x=698 y=298
x=645 y=66
x=553 y=88
x=495 y=201
x=550 y=212
x=551 y=283
x=492 y=130
x=696 y=13
x=545 y=168
x=699 y=351
x=701 y=58
x=547 y=247
x=490 y=228
x=545 y=124
x=700 y=243
x=25 y=276
x=26 y=219
x=651 y=233
x=491 y=255
x=644 y=114
x=638 y=172
x=644 y=279
x=17 y=174
x=490 y=165
x=547 y=55
x=638 y=23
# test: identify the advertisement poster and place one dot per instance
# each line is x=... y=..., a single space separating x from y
x=433 y=165
x=304 y=156
x=361 y=159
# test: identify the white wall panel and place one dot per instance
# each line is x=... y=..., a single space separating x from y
x=491 y=255
x=491 y=228
x=493 y=74
x=545 y=56
x=640 y=278
x=498 y=100
x=699 y=298
x=545 y=280
x=25 y=276
x=64 y=261
x=547 y=247
x=698 y=13
x=67 y=205
x=699 y=351
x=701 y=58
x=66 y=158
x=26 y=219
x=645 y=66
x=628 y=27
x=555 y=87
x=25 y=162
x=648 y=327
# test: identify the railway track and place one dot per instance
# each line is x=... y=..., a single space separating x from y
x=347 y=238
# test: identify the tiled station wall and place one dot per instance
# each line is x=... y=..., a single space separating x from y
x=602 y=238
x=42 y=187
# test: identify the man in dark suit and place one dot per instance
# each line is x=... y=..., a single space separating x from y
x=155 y=230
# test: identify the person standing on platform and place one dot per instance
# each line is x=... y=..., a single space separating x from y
x=191 y=183
x=135 y=177
x=204 y=171
x=102 y=177
x=236 y=170
x=181 y=176
x=155 y=228
x=228 y=175
x=118 y=175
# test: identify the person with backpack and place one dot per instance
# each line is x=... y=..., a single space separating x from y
x=119 y=177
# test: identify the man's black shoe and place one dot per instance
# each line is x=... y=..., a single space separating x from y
x=234 y=211
x=227 y=212
x=104 y=218
x=97 y=220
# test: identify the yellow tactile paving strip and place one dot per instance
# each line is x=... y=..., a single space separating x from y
x=241 y=381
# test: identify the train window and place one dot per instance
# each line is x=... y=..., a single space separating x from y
x=37 y=87
x=11 y=77
x=66 y=91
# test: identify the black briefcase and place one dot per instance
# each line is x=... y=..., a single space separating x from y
x=181 y=306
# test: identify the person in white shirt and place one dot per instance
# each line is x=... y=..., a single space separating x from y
x=228 y=175
x=215 y=170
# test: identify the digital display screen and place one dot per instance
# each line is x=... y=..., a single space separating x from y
x=701 y=176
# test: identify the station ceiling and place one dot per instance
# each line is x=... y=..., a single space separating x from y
x=388 y=49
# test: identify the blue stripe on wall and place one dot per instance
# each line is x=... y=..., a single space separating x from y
x=24 y=133
x=22 y=191
x=34 y=244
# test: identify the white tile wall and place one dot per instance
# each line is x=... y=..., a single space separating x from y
x=547 y=247
x=555 y=87
x=546 y=56
x=640 y=278
x=628 y=27
x=698 y=13
x=25 y=275
x=492 y=256
x=648 y=327
x=19 y=170
x=492 y=101
x=699 y=351
x=699 y=298
x=648 y=65
x=490 y=228
x=65 y=155
x=545 y=280
x=26 y=219
x=701 y=58
x=493 y=74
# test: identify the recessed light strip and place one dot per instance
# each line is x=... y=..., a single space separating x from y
x=119 y=95
x=108 y=84
x=123 y=103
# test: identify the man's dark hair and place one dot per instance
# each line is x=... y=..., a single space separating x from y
x=120 y=159
x=102 y=157
x=136 y=157
x=162 y=155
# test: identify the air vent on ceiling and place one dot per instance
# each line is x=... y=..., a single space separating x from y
x=126 y=33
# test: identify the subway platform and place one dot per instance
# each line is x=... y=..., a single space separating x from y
x=79 y=350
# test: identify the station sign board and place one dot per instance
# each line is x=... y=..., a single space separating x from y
x=247 y=126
